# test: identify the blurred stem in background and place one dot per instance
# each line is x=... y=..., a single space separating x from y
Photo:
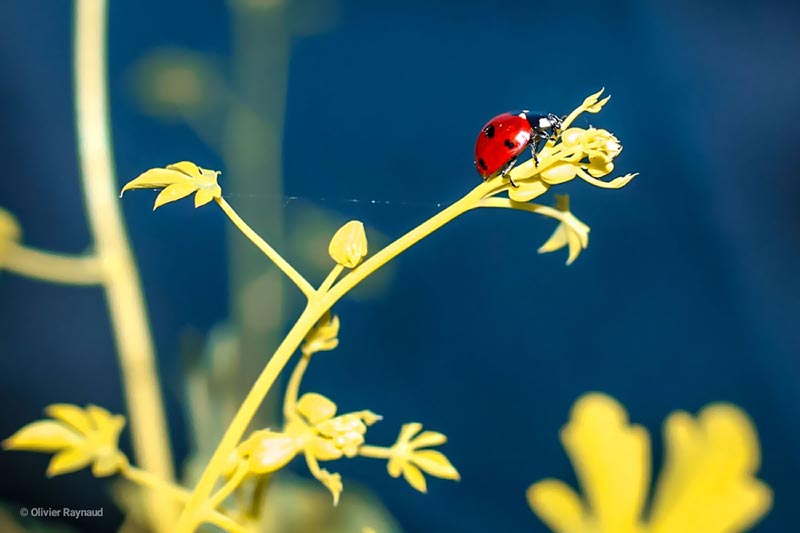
x=253 y=144
x=119 y=275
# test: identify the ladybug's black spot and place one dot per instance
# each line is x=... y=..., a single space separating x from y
x=483 y=164
x=510 y=145
x=489 y=131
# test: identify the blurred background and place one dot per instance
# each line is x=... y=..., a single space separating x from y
x=322 y=111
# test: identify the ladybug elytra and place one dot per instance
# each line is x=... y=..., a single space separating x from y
x=503 y=139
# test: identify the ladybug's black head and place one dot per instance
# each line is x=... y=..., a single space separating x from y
x=545 y=125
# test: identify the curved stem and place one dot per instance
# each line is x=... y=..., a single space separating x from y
x=317 y=306
x=266 y=249
x=293 y=386
x=149 y=481
x=50 y=266
x=153 y=482
x=231 y=485
x=121 y=280
x=190 y=516
x=539 y=209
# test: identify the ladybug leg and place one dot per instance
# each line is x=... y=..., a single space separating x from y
x=506 y=169
x=536 y=145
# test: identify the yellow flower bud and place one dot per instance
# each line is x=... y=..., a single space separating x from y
x=349 y=245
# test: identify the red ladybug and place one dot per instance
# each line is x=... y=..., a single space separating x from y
x=506 y=136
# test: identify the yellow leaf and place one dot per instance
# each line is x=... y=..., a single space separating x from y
x=9 y=226
x=72 y=415
x=559 y=173
x=186 y=167
x=271 y=451
x=563 y=236
x=557 y=240
x=323 y=336
x=598 y=170
x=598 y=106
x=333 y=482
x=100 y=417
x=315 y=408
x=611 y=458
x=324 y=449
x=613 y=184
x=108 y=464
x=427 y=439
x=42 y=436
x=572 y=136
x=178 y=181
x=203 y=196
x=349 y=245
x=707 y=483
x=395 y=465
x=591 y=103
x=435 y=464
x=414 y=477
x=570 y=232
x=557 y=505
x=156 y=178
x=69 y=460
x=176 y=191
x=592 y=98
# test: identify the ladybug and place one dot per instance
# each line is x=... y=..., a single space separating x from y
x=506 y=136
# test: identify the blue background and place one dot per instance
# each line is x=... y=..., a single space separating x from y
x=687 y=294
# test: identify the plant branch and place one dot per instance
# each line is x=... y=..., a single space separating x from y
x=147 y=480
x=50 y=266
x=375 y=452
x=332 y=276
x=470 y=201
x=317 y=306
x=121 y=280
x=266 y=249
x=293 y=386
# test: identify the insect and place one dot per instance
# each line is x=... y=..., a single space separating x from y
x=503 y=139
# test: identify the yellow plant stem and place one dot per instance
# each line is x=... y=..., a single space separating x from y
x=375 y=452
x=317 y=306
x=231 y=485
x=293 y=386
x=52 y=267
x=149 y=481
x=470 y=201
x=539 y=209
x=120 y=277
x=332 y=277
x=190 y=517
x=266 y=249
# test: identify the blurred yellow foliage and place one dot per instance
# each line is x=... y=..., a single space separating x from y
x=707 y=484
x=78 y=437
